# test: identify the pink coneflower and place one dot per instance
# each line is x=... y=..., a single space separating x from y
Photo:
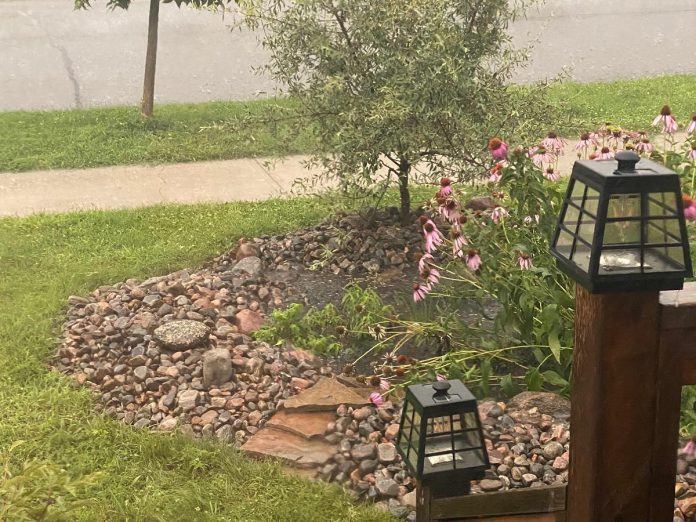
x=552 y=175
x=689 y=207
x=605 y=153
x=433 y=237
x=440 y=377
x=690 y=447
x=541 y=155
x=420 y=290
x=553 y=143
x=692 y=152
x=524 y=261
x=425 y=261
x=498 y=214
x=445 y=187
x=616 y=138
x=498 y=148
x=586 y=141
x=458 y=243
x=376 y=399
x=692 y=125
x=665 y=118
x=644 y=146
x=384 y=385
x=473 y=261
x=450 y=210
x=431 y=275
x=497 y=172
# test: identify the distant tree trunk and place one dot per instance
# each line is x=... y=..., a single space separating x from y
x=405 y=195
x=150 y=60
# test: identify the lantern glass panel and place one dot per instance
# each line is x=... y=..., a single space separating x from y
x=453 y=442
x=662 y=204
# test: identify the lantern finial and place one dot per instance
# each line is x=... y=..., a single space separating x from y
x=627 y=160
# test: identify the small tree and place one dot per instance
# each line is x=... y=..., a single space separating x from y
x=148 y=100
x=395 y=89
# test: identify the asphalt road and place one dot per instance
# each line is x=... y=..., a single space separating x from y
x=52 y=57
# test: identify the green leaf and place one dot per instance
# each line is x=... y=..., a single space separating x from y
x=507 y=385
x=555 y=344
x=553 y=378
x=533 y=380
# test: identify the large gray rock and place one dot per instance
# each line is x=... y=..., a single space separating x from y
x=251 y=266
x=548 y=403
x=182 y=335
x=217 y=367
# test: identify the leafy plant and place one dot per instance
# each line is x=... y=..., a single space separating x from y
x=398 y=90
x=328 y=329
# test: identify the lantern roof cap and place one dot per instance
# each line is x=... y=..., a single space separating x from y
x=431 y=394
x=628 y=170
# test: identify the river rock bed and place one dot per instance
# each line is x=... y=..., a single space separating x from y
x=174 y=353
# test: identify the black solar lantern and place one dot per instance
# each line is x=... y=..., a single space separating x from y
x=622 y=227
x=440 y=438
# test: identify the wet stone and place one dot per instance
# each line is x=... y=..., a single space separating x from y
x=182 y=335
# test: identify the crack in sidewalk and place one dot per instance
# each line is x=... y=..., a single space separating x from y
x=268 y=173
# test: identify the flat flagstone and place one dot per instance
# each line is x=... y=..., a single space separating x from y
x=325 y=395
x=294 y=449
x=305 y=424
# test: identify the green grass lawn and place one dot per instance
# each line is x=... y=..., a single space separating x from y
x=140 y=475
x=84 y=138
x=633 y=104
x=223 y=130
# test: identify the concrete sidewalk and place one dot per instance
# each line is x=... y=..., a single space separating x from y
x=27 y=193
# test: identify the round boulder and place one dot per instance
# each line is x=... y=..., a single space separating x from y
x=182 y=335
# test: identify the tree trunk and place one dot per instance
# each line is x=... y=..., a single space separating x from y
x=150 y=60
x=405 y=195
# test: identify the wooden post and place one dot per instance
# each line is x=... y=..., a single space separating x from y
x=677 y=367
x=614 y=397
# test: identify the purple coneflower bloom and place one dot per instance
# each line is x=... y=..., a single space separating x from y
x=644 y=145
x=445 y=187
x=692 y=153
x=496 y=172
x=498 y=214
x=376 y=399
x=424 y=262
x=665 y=118
x=586 y=141
x=473 y=261
x=692 y=125
x=616 y=138
x=498 y=148
x=420 y=290
x=689 y=207
x=541 y=155
x=525 y=262
x=551 y=175
x=433 y=237
x=458 y=243
x=440 y=377
x=431 y=275
x=450 y=210
x=690 y=447
x=604 y=154
x=384 y=385
x=553 y=143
